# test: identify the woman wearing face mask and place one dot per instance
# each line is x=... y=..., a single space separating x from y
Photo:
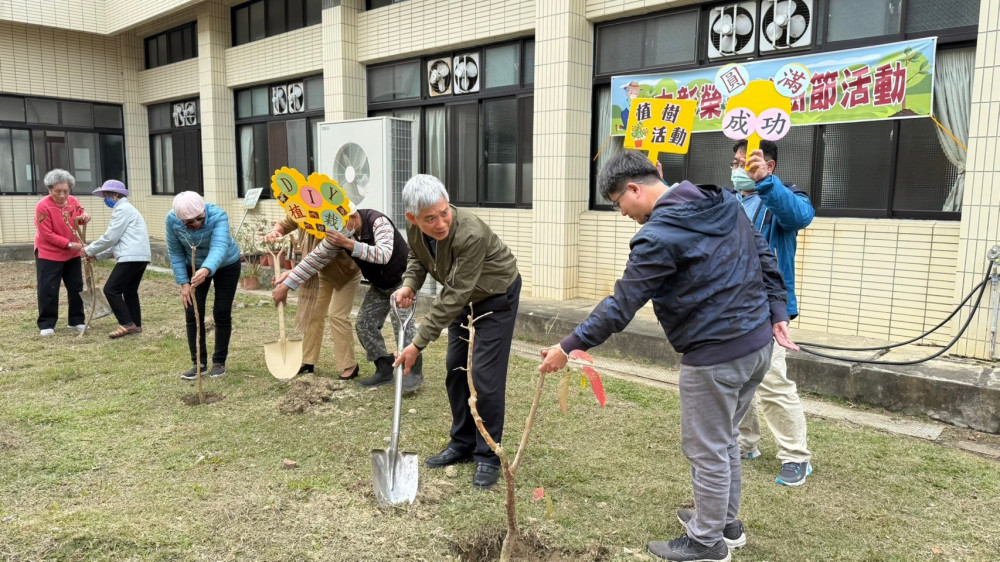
x=204 y=227
x=128 y=240
x=57 y=251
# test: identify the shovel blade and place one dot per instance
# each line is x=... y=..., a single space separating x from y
x=283 y=358
x=394 y=483
x=102 y=308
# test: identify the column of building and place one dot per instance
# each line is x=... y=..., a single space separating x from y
x=343 y=75
x=980 y=228
x=563 y=85
x=218 y=129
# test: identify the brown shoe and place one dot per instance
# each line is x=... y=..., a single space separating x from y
x=122 y=331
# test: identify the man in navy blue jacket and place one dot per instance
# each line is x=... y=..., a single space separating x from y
x=720 y=299
x=778 y=212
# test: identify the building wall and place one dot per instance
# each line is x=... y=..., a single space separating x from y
x=74 y=15
x=418 y=27
x=292 y=54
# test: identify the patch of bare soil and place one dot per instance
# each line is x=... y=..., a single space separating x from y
x=485 y=546
x=307 y=392
x=210 y=398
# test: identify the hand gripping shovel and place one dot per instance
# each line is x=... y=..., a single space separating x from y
x=283 y=357
x=395 y=474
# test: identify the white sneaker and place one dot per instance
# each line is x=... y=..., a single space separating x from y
x=47 y=332
x=80 y=327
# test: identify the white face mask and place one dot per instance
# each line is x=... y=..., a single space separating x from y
x=742 y=181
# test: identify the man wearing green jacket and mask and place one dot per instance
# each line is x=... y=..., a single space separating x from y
x=478 y=274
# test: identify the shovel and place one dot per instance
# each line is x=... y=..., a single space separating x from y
x=283 y=357
x=395 y=474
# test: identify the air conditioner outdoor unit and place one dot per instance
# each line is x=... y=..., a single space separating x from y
x=785 y=24
x=371 y=159
x=731 y=30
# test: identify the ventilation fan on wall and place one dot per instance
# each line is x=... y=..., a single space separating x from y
x=731 y=30
x=439 y=77
x=279 y=100
x=466 y=69
x=352 y=171
x=785 y=24
x=296 y=98
x=185 y=114
x=371 y=159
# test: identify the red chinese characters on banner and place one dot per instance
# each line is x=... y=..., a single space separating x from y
x=799 y=104
x=685 y=93
x=711 y=102
x=824 y=91
x=890 y=84
x=857 y=88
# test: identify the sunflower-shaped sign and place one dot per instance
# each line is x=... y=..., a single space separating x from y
x=317 y=204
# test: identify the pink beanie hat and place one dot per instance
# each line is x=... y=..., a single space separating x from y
x=188 y=205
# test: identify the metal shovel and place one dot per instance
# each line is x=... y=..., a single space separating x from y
x=283 y=357
x=395 y=474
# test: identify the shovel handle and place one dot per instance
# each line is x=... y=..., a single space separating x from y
x=281 y=305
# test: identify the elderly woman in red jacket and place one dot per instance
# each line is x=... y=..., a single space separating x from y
x=57 y=251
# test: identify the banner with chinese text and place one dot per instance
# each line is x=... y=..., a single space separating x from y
x=890 y=81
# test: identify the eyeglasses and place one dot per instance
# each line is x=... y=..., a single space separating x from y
x=616 y=204
x=194 y=221
x=743 y=163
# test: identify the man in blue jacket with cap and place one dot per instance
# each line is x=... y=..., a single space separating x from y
x=778 y=212
x=720 y=299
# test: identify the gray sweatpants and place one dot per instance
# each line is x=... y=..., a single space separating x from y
x=371 y=317
x=714 y=399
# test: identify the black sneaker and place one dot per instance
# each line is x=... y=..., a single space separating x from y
x=218 y=369
x=486 y=476
x=192 y=374
x=685 y=549
x=412 y=382
x=306 y=369
x=733 y=533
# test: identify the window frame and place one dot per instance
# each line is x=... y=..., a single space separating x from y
x=173 y=131
x=271 y=29
x=307 y=115
x=523 y=89
x=166 y=34
x=948 y=38
x=37 y=170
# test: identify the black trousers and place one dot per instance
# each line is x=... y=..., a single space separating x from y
x=491 y=355
x=49 y=275
x=226 y=279
x=122 y=291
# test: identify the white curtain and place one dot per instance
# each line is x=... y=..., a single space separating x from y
x=614 y=145
x=435 y=142
x=246 y=151
x=952 y=106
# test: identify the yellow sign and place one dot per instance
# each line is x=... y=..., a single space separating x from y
x=660 y=125
x=317 y=204
x=759 y=111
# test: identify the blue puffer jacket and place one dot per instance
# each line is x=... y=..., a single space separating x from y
x=785 y=211
x=715 y=286
x=215 y=246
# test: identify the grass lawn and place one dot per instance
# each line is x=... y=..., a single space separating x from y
x=100 y=459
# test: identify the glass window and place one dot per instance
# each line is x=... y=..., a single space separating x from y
x=83 y=160
x=112 y=157
x=11 y=109
x=42 y=111
x=463 y=161
x=372 y=4
x=241 y=25
x=261 y=101
x=162 y=53
x=314 y=93
x=75 y=114
x=930 y=15
x=529 y=62
x=189 y=42
x=152 y=61
x=503 y=65
x=295 y=10
x=394 y=82
x=107 y=116
x=297 y=144
x=924 y=175
x=175 y=45
x=500 y=150
x=435 y=142
x=276 y=17
x=525 y=150
x=6 y=162
x=175 y=149
x=257 y=21
x=646 y=43
x=858 y=19
x=856 y=170
x=314 y=12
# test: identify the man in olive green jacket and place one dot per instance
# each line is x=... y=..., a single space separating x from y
x=477 y=272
